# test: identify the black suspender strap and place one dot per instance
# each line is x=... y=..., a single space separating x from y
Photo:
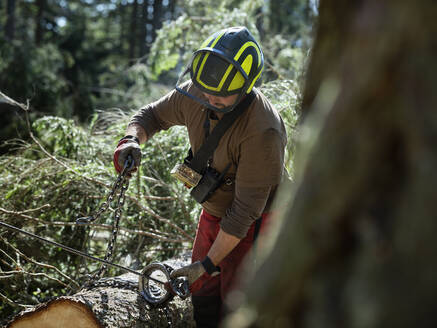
x=199 y=161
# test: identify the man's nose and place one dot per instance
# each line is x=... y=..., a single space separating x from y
x=214 y=100
x=210 y=98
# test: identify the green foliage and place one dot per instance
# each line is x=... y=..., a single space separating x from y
x=291 y=17
x=285 y=97
x=28 y=72
x=286 y=61
x=177 y=39
x=124 y=86
x=62 y=137
x=45 y=64
x=46 y=193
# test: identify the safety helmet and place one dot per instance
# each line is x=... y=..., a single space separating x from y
x=228 y=62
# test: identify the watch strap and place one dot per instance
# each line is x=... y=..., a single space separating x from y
x=130 y=137
x=210 y=268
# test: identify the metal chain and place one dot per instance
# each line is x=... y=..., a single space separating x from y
x=105 y=205
x=95 y=280
x=122 y=184
x=115 y=227
x=129 y=285
x=168 y=316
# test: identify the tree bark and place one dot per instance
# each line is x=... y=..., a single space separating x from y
x=142 y=34
x=133 y=30
x=39 y=30
x=172 y=8
x=356 y=244
x=123 y=23
x=10 y=20
x=113 y=302
x=157 y=18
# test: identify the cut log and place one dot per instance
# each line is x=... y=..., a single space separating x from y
x=110 y=302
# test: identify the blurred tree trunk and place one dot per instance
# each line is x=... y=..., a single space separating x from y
x=356 y=246
x=39 y=30
x=123 y=20
x=157 y=18
x=133 y=30
x=143 y=44
x=172 y=8
x=260 y=23
x=10 y=20
x=275 y=16
x=154 y=20
x=309 y=12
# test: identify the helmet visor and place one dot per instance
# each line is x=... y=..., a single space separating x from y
x=216 y=78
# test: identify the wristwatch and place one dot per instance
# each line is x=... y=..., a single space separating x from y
x=130 y=137
x=210 y=268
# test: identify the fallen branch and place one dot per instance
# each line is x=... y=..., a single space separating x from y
x=86 y=178
x=15 y=103
x=11 y=302
x=43 y=265
x=154 y=235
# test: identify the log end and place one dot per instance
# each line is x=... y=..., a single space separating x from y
x=60 y=312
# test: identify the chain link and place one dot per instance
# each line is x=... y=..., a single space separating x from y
x=105 y=205
x=115 y=227
x=129 y=285
x=121 y=185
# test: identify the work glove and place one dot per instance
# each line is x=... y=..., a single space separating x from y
x=195 y=270
x=128 y=145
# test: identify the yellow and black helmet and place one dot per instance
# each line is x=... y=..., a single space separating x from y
x=228 y=62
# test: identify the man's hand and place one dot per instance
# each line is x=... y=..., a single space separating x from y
x=192 y=272
x=127 y=146
x=195 y=270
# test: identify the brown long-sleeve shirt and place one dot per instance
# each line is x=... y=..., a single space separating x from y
x=254 y=145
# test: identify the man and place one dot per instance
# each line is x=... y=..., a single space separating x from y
x=249 y=159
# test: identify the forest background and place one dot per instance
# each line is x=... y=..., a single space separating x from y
x=71 y=74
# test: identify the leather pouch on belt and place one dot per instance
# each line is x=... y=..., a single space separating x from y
x=210 y=181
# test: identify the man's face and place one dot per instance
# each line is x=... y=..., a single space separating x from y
x=221 y=102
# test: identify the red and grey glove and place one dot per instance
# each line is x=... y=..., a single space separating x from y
x=195 y=270
x=128 y=145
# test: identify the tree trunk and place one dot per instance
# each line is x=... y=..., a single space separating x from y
x=147 y=36
x=113 y=302
x=356 y=245
x=39 y=21
x=133 y=30
x=157 y=18
x=143 y=44
x=123 y=23
x=172 y=8
x=10 y=20
x=275 y=18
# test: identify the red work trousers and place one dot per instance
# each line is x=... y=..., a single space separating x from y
x=207 y=230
